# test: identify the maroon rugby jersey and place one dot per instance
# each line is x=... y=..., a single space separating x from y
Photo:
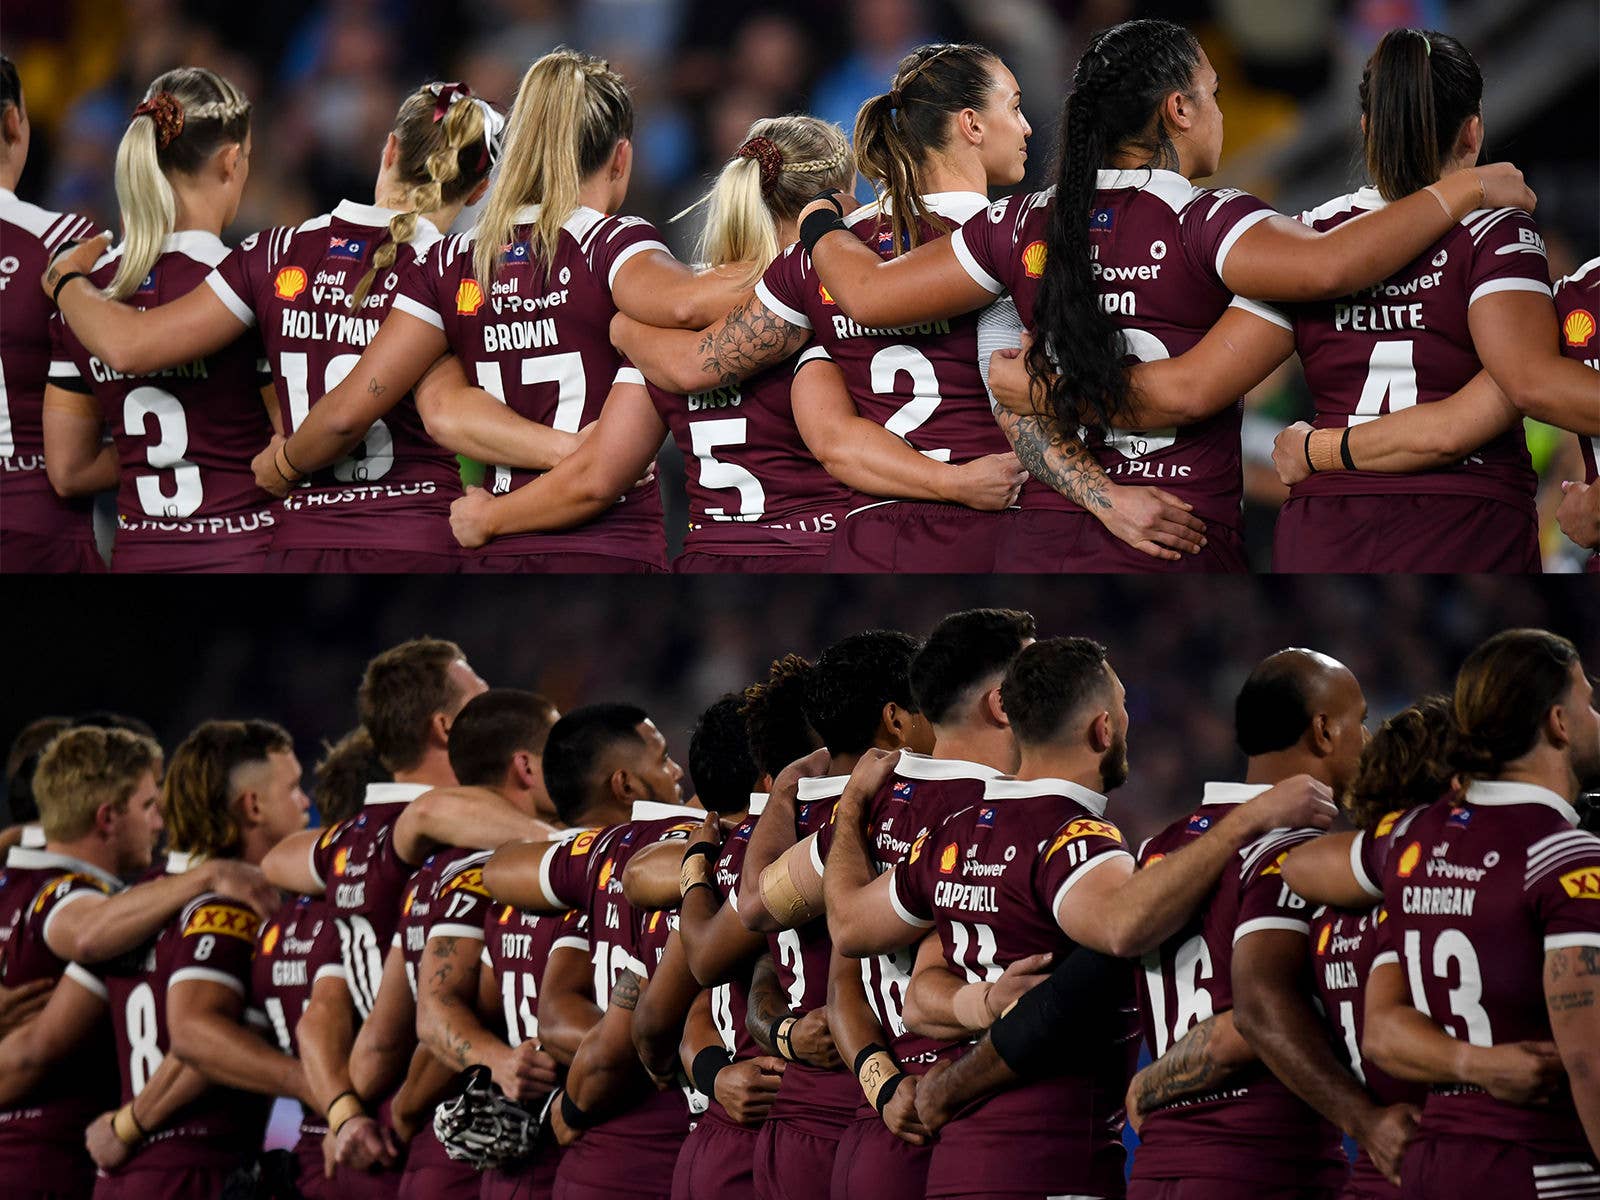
x=185 y=435
x=41 y=1135
x=920 y=794
x=1578 y=308
x=393 y=491
x=989 y=878
x=444 y=892
x=1477 y=894
x=919 y=381
x=212 y=938
x=365 y=882
x=1406 y=341
x=753 y=484
x=541 y=342
x=1252 y=1127
x=297 y=946
x=29 y=236
x=1158 y=244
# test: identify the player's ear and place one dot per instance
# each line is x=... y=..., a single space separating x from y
x=1320 y=733
x=525 y=768
x=391 y=151
x=1100 y=732
x=995 y=709
x=1178 y=112
x=1556 y=726
x=1469 y=142
x=621 y=159
x=106 y=818
x=11 y=124
x=439 y=729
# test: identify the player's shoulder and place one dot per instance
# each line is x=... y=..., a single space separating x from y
x=1585 y=277
x=1342 y=208
x=1501 y=231
x=1570 y=856
x=49 y=228
x=219 y=915
x=1265 y=855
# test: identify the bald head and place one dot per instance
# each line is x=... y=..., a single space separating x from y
x=1281 y=699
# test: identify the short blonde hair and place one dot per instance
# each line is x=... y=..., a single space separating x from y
x=82 y=769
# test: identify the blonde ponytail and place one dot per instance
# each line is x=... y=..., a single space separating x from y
x=782 y=164
x=454 y=157
x=571 y=111
x=187 y=115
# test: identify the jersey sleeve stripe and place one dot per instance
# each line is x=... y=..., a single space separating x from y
x=812 y=354
x=81 y=894
x=1363 y=880
x=257 y=1018
x=230 y=298
x=816 y=856
x=1565 y=941
x=764 y=294
x=1507 y=285
x=421 y=312
x=444 y=930
x=901 y=911
x=1267 y=312
x=1264 y=923
x=629 y=375
x=1387 y=958
x=628 y=252
x=969 y=264
x=330 y=971
x=1072 y=880
x=547 y=887
x=207 y=975
x=570 y=943
x=486 y=960
x=64 y=368
x=636 y=966
x=1245 y=223
x=311 y=866
x=87 y=980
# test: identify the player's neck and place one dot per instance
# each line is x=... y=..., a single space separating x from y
x=433 y=771
x=10 y=171
x=1546 y=768
x=1141 y=160
x=203 y=209
x=991 y=746
x=91 y=849
x=942 y=174
x=1274 y=768
x=1079 y=766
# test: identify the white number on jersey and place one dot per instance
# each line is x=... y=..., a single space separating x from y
x=888 y=999
x=166 y=455
x=1136 y=443
x=144 y=1049
x=887 y=364
x=1191 y=966
x=722 y=1015
x=377 y=444
x=980 y=968
x=563 y=370
x=8 y=441
x=363 y=960
x=280 y=1024
x=1391 y=375
x=705 y=437
x=1451 y=946
x=519 y=992
x=789 y=954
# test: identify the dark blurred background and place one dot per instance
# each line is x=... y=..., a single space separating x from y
x=327 y=75
x=175 y=652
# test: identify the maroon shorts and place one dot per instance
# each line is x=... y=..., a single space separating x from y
x=873 y=1164
x=1047 y=541
x=790 y=1162
x=697 y=562
x=534 y=1180
x=178 y=1183
x=77 y=1183
x=24 y=553
x=917 y=536
x=1366 y=1182
x=717 y=1160
x=478 y=563
x=1414 y=534
x=345 y=1184
x=235 y=556
x=431 y=1174
x=1436 y=1167
x=361 y=562
x=1224 y=1189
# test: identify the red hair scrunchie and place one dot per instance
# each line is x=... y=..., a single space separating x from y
x=166 y=110
x=768 y=156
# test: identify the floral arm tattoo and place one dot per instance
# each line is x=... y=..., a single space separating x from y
x=749 y=338
x=1057 y=461
x=1187 y=1069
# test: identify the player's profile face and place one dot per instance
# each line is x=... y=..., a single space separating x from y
x=1583 y=727
x=285 y=807
x=655 y=770
x=1005 y=146
x=139 y=826
x=1204 y=136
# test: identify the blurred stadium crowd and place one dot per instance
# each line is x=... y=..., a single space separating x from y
x=295 y=654
x=326 y=76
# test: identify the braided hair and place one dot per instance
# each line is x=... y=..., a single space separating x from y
x=1119 y=86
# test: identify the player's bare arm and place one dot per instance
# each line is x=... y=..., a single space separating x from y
x=567 y=1010
x=1236 y=354
x=78 y=462
x=209 y=1033
x=863 y=1049
x=449 y=1025
x=21 y=1004
x=606 y=1071
x=1198 y=1062
x=70 y=1017
x=773 y=835
x=657 y=289
x=513 y=873
x=941 y=1005
x=383 y=1046
x=112 y=1137
x=926 y=283
x=744 y=1087
x=1572 y=999
x=1274 y=1012
x=288 y=865
x=1517 y=340
x=470 y=421
x=427 y=1082
x=471 y=818
x=750 y=338
x=1320 y=871
x=659 y=1016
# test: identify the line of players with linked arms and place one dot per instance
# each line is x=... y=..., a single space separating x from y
x=906 y=953
x=839 y=417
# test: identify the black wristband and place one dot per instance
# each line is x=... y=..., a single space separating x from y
x=706 y=1066
x=866 y=1053
x=831 y=195
x=1307 y=447
x=817 y=226
x=782 y=1042
x=887 y=1091
x=709 y=849
x=574 y=1116
x=55 y=296
x=1344 y=449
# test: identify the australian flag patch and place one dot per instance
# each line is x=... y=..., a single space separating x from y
x=347 y=247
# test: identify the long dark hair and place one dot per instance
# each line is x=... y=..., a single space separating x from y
x=1406 y=763
x=1503 y=693
x=1122 y=79
x=897 y=130
x=1418 y=89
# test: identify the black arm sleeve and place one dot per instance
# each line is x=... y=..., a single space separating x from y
x=1087 y=990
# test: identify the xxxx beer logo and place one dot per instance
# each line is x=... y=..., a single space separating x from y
x=1084 y=827
x=291 y=281
x=468 y=881
x=1578 y=328
x=1582 y=884
x=223 y=919
x=469 y=298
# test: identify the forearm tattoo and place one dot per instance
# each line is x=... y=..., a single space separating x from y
x=750 y=337
x=1059 y=462
x=1184 y=1071
x=625 y=993
x=1560 y=970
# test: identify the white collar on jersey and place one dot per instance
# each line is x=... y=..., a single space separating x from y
x=198 y=244
x=919 y=766
x=1022 y=789
x=393 y=793
x=1502 y=791
x=654 y=810
x=758 y=803
x=579 y=223
x=27 y=857
x=374 y=216
x=1233 y=793
x=821 y=787
x=178 y=862
x=33 y=836
x=957 y=206
x=7 y=194
x=1171 y=188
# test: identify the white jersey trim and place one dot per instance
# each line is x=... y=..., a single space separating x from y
x=86 y=979
x=570 y=942
x=44 y=930
x=964 y=256
x=230 y=298
x=821 y=787
x=1072 y=880
x=1565 y=941
x=330 y=971
x=206 y=975
x=1267 y=312
x=1363 y=880
x=901 y=911
x=629 y=375
x=547 y=887
x=1384 y=959
x=1169 y=187
x=629 y=252
x=1507 y=285
x=796 y=318
x=1241 y=227
x=922 y=766
x=456 y=930
x=816 y=857
x=414 y=308
x=1264 y=923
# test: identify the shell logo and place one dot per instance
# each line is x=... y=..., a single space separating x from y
x=1578 y=328
x=1386 y=823
x=605 y=875
x=290 y=282
x=339 y=860
x=505 y=914
x=1033 y=259
x=271 y=940
x=947 y=859
x=469 y=298
x=1409 y=858
x=823 y=292
x=1322 y=939
x=916 y=847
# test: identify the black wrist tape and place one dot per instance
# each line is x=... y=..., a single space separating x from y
x=707 y=1066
